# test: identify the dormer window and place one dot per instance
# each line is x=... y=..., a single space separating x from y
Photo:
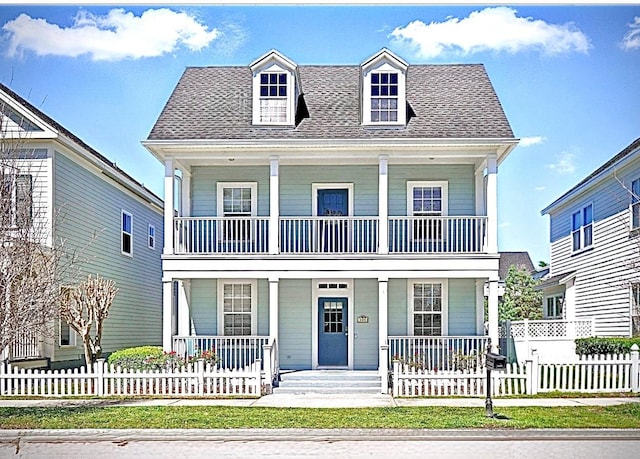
x=273 y=97
x=383 y=90
x=275 y=90
x=384 y=97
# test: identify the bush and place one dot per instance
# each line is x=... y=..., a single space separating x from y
x=136 y=358
x=597 y=346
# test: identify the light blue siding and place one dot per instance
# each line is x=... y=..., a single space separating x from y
x=462 y=307
x=365 y=352
x=397 y=297
x=91 y=204
x=204 y=299
x=295 y=324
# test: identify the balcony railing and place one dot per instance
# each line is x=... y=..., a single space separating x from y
x=330 y=235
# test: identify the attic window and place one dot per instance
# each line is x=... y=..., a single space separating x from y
x=383 y=91
x=273 y=98
x=384 y=97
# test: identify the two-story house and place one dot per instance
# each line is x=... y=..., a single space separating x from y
x=78 y=198
x=595 y=242
x=341 y=213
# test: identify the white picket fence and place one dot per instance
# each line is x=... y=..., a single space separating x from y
x=104 y=380
x=593 y=374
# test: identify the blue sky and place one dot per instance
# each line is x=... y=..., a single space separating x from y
x=567 y=76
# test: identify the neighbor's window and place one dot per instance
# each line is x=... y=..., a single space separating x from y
x=273 y=97
x=427 y=306
x=66 y=335
x=635 y=204
x=384 y=97
x=635 y=310
x=152 y=237
x=16 y=199
x=237 y=299
x=555 y=307
x=127 y=233
x=582 y=228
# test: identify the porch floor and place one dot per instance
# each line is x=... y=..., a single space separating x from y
x=328 y=382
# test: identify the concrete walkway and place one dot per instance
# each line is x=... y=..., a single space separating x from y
x=325 y=401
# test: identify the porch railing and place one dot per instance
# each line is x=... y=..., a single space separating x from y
x=24 y=348
x=438 y=352
x=224 y=235
x=437 y=234
x=234 y=352
x=328 y=235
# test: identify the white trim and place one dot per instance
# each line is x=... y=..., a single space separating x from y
x=220 y=200
x=330 y=186
x=445 y=303
x=443 y=184
x=123 y=232
x=274 y=65
x=318 y=293
x=151 y=237
x=384 y=62
x=254 y=302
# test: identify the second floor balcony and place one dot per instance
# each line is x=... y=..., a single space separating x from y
x=341 y=235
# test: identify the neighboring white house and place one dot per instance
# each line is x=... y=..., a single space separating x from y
x=331 y=211
x=595 y=241
x=90 y=196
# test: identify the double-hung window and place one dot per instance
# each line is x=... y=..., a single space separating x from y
x=152 y=237
x=66 y=335
x=16 y=199
x=582 y=228
x=635 y=204
x=635 y=310
x=273 y=98
x=127 y=233
x=237 y=310
x=384 y=97
x=427 y=202
x=427 y=314
x=554 y=307
x=237 y=204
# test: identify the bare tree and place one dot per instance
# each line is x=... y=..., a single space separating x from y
x=86 y=305
x=33 y=263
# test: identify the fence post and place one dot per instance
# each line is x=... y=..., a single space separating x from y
x=3 y=381
x=396 y=378
x=635 y=369
x=535 y=369
x=258 y=377
x=200 y=370
x=268 y=371
x=383 y=368
x=99 y=376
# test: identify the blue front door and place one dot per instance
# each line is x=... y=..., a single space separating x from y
x=332 y=332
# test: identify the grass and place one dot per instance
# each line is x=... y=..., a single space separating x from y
x=219 y=417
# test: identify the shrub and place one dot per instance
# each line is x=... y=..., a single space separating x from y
x=597 y=346
x=136 y=358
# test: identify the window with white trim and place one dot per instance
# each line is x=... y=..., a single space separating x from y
x=427 y=308
x=635 y=310
x=635 y=204
x=554 y=307
x=582 y=228
x=16 y=199
x=127 y=233
x=152 y=237
x=238 y=310
x=384 y=101
x=273 y=98
x=427 y=199
x=384 y=97
x=66 y=334
x=237 y=201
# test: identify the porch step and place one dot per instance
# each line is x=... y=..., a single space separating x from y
x=328 y=382
x=31 y=364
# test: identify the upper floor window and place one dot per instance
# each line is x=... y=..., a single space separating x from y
x=16 y=199
x=152 y=237
x=635 y=310
x=582 y=228
x=635 y=204
x=384 y=97
x=427 y=201
x=273 y=98
x=127 y=233
x=275 y=90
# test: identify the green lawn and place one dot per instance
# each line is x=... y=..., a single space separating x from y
x=219 y=417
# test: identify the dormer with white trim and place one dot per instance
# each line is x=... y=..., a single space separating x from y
x=384 y=77
x=275 y=90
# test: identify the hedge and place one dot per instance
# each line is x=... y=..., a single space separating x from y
x=597 y=346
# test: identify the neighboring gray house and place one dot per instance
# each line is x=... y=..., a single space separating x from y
x=595 y=241
x=331 y=211
x=93 y=196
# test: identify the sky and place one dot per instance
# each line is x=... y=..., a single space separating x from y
x=568 y=76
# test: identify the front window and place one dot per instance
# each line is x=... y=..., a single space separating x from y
x=427 y=202
x=16 y=199
x=237 y=309
x=127 y=233
x=635 y=310
x=555 y=307
x=237 y=202
x=427 y=308
x=582 y=228
x=384 y=97
x=273 y=98
x=635 y=204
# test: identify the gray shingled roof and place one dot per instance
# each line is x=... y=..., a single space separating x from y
x=446 y=101
x=508 y=259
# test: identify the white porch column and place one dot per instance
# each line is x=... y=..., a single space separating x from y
x=273 y=307
x=167 y=315
x=184 y=310
x=185 y=194
x=274 y=206
x=169 y=180
x=383 y=313
x=479 y=307
x=493 y=314
x=383 y=205
x=480 y=194
x=492 y=205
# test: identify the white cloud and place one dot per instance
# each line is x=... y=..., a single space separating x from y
x=631 y=39
x=115 y=36
x=540 y=188
x=491 y=29
x=529 y=141
x=564 y=164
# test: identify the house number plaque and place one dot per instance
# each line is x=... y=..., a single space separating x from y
x=363 y=319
